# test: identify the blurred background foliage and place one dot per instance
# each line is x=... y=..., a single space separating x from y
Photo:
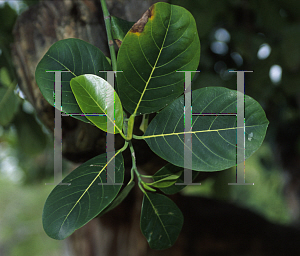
x=260 y=36
x=26 y=157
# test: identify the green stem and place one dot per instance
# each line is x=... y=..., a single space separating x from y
x=147 y=176
x=123 y=148
x=130 y=127
x=134 y=168
x=106 y=16
x=142 y=189
x=137 y=137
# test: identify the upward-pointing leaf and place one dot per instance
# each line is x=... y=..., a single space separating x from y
x=68 y=208
x=76 y=56
x=214 y=137
x=94 y=95
x=120 y=28
x=163 y=41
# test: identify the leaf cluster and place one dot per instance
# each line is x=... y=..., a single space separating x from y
x=152 y=51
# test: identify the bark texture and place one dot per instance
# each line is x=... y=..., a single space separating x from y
x=211 y=227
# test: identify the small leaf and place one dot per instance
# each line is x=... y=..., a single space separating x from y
x=214 y=137
x=120 y=28
x=94 y=95
x=147 y=187
x=163 y=41
x=76 y=56
x=119 y=199
x=162 y=184
x=170 y=169
x=161 y=221
x=144 y=123
x=166 y=181
x=69 y=207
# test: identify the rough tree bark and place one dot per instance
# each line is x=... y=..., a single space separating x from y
x=211 y=227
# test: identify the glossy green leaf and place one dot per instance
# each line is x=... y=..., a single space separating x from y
x=119 y=199
x=170 y=169
x=95 y=95
x=161 y=221
x=213 y=137
x=162 y=184
x=76 y=56
x=151 y=54
x=120 y=28
x=69 y=207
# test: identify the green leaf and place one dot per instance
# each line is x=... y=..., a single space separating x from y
x=144 y=123
x=170 y=169
x=120 y=28
x=147 y=187
x=76 y=56
x=9 y=104
x=94 y=95
x=161 y=221
x=213 y=137
x=165 y=180
x=69 y=207
x=162 y=184
x=163 y=41
x=119 y=199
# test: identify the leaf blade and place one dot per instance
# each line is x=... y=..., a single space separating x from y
x=67 y=55
x=161 y=221
x=213 y=137
x=120 y=28
x=68 y=208
x=170 y=169
x=120 y=198
x=163 y=41
x=94 y=95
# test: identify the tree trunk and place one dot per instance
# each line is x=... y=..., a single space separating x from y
x=211 y=227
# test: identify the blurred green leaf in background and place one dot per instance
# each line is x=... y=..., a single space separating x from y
x=26 y=157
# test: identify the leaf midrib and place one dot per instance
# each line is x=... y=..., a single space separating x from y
x=87 y=190
x=100 y=107
x=160 y=220
x=153 y=69
x=194 y=132
x=61 y=64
